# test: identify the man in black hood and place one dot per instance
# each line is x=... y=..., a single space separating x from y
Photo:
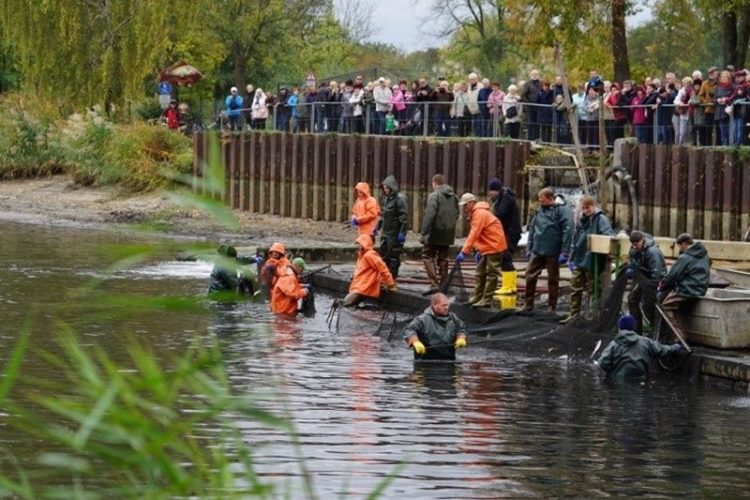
x=393 y=224
x=687 y=279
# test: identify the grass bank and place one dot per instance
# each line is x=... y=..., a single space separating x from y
x=35 y=140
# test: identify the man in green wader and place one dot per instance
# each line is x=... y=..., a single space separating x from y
x=628 y=356
x=436 y=333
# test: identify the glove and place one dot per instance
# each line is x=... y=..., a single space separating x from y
x=477 y=257
x=527 y=254
x=393 y=288
x=563 y=259
x=401 y=238
x=418 y=347
x=354 y=222
x=308 y=287
x=460 y=343
x=680 y=347
x=629 y=272
x=259 y=260
x=460 y=257
x=571 y=265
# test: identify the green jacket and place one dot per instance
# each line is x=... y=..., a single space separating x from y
x=437 y=331
x=649 y=262
x=629 y=354
x=598 y=223
x=223 y=279
x=551 y=230
x=689 y=275
x=394 y=210
x=440 y=216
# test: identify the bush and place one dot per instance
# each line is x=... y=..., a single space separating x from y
x=24 y=142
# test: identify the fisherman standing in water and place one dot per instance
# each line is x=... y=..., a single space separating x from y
x=436 y=333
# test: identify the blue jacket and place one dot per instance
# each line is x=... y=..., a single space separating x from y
x=551 y=230
x=598 y=223
x=234 y=105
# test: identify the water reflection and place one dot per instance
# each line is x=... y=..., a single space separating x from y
x=491 y=425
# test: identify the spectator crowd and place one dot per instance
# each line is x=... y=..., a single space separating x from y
x=697 y=110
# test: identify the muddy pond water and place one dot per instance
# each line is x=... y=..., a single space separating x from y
x=491 y=425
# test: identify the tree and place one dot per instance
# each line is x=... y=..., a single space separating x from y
x=620 y=41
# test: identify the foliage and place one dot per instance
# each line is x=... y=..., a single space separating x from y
x=24 y=138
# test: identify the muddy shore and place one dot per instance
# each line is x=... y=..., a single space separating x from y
x=60 y=202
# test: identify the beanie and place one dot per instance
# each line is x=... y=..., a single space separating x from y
x=495 y=184
x=299 y=262
x=626 y=322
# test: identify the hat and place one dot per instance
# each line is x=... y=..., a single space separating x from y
x=636 y=236
x=626 y=322
x=684 y=238
x=233 y=89
x=495 y=184
x=713 y=69
x=299 y=262
x=467 y=198
x=277 y=247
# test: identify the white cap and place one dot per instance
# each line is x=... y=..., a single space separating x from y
x=467 y=198
x=233 y=89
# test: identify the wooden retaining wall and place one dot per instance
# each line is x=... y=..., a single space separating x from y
x=698 y=190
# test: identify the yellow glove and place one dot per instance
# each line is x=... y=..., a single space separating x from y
x=418 y=347
x=460 y=343
x=393 y=288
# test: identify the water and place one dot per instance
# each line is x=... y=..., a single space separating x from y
x=492 y=425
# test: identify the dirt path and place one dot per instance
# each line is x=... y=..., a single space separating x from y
x=58 y=201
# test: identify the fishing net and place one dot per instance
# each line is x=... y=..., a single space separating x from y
x=453 y=285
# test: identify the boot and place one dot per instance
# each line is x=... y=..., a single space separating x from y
x=429 y=267
x=442 y=270
x=575 y=308
x=489 y=288
x=509 y=284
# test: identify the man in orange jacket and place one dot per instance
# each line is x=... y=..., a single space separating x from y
x=369 y=273
x=365 y=211
x=274 y=266
x=488 y=239
x=288 y=289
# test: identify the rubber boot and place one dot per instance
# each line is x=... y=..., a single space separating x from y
x=489 y=288
x=509 y=284
x=575 y=309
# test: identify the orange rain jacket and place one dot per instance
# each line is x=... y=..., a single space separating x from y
x=273 y=268
x=286 y=293
x=365 y=209
x=486 y=235
x=370 y=270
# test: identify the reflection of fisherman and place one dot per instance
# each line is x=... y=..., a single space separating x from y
x=628 y=356
x=369 y=273
x=226 y=277
x=275 y=265
x=288 y=290
x=395 y=217
x=646 y=268
x=687 y=279
x=437 y=332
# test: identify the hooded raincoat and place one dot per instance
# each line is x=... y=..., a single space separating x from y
x=487 y=235
x=551 y=230
x=437 y=333
x=365 y=209
x=440 y=216
x=629 y=354
x=286 y=293
x=690 y=274
x=648 y=262
x=370 y=270
x=597 y=223
x=395 y=211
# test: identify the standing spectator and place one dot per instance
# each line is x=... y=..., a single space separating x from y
x=484 y=110
x=723 y=94
x=249 y=96
x=382 y=95
x=472 y=113
x=495 y=108
x=459 y=109
x=592 y=117
x=739 y=107
x=398 y=101
x=528 y=95
x=365 y=210
x=681 y=117
x=281 y=110
x=583 y=263
x=550 y=232
x=609 y=115
x=233 y=103
x=579 y=105
x=345 y=120
x=320 y=109
x=561 y=123
x=423 y=94
x=487 y=239
x=293 y=111
x=304 y=107
x=505 y=208
x=357 y=103
x=639 y=110
x=333 y=108
x=438 y=230
x=687 y=279
x=512 y=112
x=646 y=267
x=259 y=110
x=619 y=114
x=171 y=115
x=443 y=100
x=627 y=93
x=393 y=224
x=697 y=113
x=650 y=100
x=664 y=113
x=544 y=99
x=707 y=95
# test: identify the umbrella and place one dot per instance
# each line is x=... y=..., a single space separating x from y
x=180 y=73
